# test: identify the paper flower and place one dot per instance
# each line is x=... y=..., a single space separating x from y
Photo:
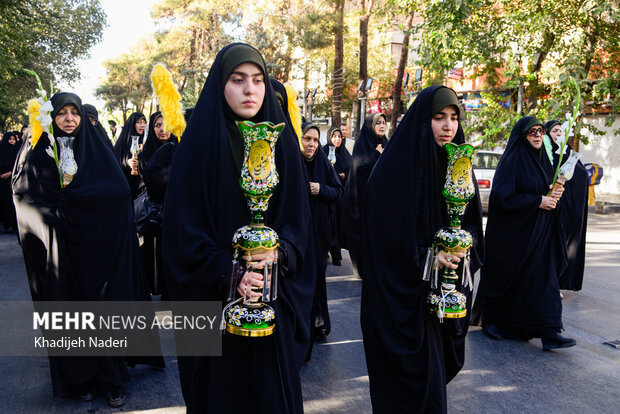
x=35 y=125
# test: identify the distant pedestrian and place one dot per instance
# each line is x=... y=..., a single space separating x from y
x=369 y=145
x=8 y=153
x=128 y=160
x=325 y=191
x=336 y=142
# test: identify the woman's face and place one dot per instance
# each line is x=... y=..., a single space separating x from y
x=140 y=126
x=381 y=126
x=444 y=124
x=556 y=132
x=535 y=136
x=68 y=118
x=310 y=142
x=245 y=90
x=12 y=140
x=160 y=129
x=336 y=138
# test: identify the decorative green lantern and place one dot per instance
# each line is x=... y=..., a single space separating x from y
x=444 y=299
x=248 y=316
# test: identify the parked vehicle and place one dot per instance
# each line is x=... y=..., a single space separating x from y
x=484 y=164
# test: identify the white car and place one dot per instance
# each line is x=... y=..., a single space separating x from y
x=484 y=164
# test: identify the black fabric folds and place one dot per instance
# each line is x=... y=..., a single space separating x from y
x=122 y=152
x=410 y=355
x=364 y=157
x=573 y=217
x=322 y=206
x=79 y=242
x=204 y=206
x=526 y=248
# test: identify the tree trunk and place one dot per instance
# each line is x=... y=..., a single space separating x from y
x=549 y=39
x=338 y=77
x=398 y=85
x=363 y=74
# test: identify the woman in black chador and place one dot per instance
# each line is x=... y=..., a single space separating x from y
x=368 y=147
x=204 y=207
x=79 y=241
x=573 y=214
x=150 y=245
x=410 y=355
x=325 y=191
x=337 y=141
x=8 y=153
x=135 y=126
x=93 y=116
x=526 y=248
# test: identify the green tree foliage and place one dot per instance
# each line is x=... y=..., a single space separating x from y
x=48 y=36
x=192 y=33
x=128 y=83
x=538 y=43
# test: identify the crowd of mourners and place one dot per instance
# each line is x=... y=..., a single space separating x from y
x=382 y=202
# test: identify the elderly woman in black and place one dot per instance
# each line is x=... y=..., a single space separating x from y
x=526 y=247
x=78 y=239
x=134 y=127
x=325 y=191
x=368 y=148
x=336 y=144
x=204 y=207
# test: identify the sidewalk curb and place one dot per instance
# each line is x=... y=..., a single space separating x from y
x=603 y=207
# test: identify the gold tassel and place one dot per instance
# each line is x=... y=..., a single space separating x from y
x=293 y=112
x=35 y=125
x=169 y=100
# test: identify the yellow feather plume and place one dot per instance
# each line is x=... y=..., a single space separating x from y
x=293 y=111
x=35 y=125
x=169 y=100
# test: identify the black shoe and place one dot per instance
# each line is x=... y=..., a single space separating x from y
x=87 y=391
x=115 y=397
x=337 y=263
x=492 y=332
x=555 y=341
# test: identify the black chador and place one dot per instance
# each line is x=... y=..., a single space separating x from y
x=342 y=167
x=79 y=242
x=574 y=218
x=365 y=155
x=410 y=355
x=155 y=176
x=322 y=206
x=122 y=151
x=526 y=248
x=204 y=206
x=8 y=154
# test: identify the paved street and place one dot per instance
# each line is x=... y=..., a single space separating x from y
x=498 y=377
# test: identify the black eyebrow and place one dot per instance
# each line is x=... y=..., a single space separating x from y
x=245 y=75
